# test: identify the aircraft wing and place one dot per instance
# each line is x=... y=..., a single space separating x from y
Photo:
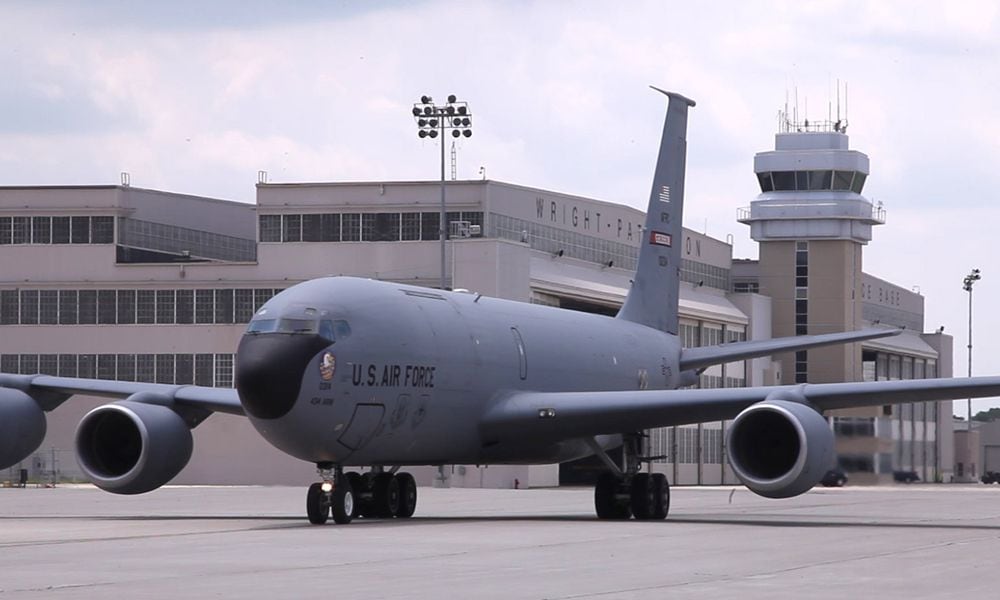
x=51 y=391
x=705 y=356
x=566 y=415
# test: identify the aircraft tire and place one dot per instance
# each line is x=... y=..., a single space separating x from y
x=358 y=486
x=641 y=496
x=661 y=496
x=605 y=497
x=407 y=495
x=385 y=496
x=317 y=504
x=342 y=502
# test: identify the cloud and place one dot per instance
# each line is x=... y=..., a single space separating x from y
x=197 y=98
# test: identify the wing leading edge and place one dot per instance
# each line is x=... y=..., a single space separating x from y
x=51 y=391
x=567 y=415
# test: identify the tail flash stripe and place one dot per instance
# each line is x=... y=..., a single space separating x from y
x=665 y=194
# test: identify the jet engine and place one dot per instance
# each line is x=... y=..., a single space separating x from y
x=132 y=447
x=22 y=426
x=780 y=448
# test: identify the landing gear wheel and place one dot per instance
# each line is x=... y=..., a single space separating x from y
x=358 y=487
x=317 y=504
x=607 y=500
x=641 y=496
x=342 y=502
x=385 y=495
x=407 y=495
x=661 y=496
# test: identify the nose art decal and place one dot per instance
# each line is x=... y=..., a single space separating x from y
x=328 y=366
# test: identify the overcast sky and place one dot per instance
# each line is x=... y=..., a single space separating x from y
x=198 y=97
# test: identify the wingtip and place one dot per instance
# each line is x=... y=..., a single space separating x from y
x=675 y=96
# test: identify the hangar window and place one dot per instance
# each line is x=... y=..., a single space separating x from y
x=380 y=227
x=350 y=227
x=291 y=228
x=145 y=367
x=105 y=366
x=21 y=230
x=270 y=228
x=429 y=222
x=145 y=306
x=69 y=300
x=223 y=306
x=41 y=230
x=48 y=305
x=126 y=307
x=410 y=227
x=125 y=366
x=165 y=368
x=87 y=366
x=29 y=307
x=9 y=307
x=185 y=306
x=79 y=228
x=184 y=369
x=60 y=230
x=204 y=369
x=164 y=306
x=87 y=309
x=102 y=230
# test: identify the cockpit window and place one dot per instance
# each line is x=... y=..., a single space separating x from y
x=262 y=326
x=327 y=329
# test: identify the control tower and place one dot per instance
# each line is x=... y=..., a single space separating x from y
x=811 y=222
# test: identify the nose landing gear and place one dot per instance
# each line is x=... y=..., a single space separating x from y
x=333 y=495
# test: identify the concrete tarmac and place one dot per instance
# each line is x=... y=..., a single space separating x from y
x=254 y=542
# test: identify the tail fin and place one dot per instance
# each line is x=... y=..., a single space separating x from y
x=652 y=300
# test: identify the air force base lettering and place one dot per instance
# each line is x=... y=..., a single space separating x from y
x=414 y=376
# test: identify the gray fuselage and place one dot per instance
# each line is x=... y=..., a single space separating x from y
x=411 y=370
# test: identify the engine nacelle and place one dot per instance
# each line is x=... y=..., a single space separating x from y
x=779 y=448
x=131 y=447
x=22 y=426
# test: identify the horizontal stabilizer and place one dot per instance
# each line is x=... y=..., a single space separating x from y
x=706 y=356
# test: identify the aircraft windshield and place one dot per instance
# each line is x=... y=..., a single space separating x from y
x=325 y=328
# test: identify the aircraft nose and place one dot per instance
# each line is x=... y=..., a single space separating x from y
x=269 y=371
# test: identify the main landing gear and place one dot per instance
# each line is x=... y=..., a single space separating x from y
x=377 y=494
x=620 y=494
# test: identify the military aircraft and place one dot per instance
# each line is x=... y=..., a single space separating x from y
x=347 y=372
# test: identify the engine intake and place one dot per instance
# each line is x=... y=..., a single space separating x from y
x=131 y=447
x=22 y=426
x=780 y=448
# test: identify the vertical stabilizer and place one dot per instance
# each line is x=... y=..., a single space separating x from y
x=652 y=300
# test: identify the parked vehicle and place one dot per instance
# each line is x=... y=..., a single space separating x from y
x=990 y=477
x=834 y=478
x=905 y=476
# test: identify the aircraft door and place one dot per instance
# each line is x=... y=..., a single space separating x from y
x=363 y=425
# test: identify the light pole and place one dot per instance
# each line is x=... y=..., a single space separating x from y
x=967 y=283
x=432 y=119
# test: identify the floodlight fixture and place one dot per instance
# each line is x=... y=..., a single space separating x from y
x=455 y=116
